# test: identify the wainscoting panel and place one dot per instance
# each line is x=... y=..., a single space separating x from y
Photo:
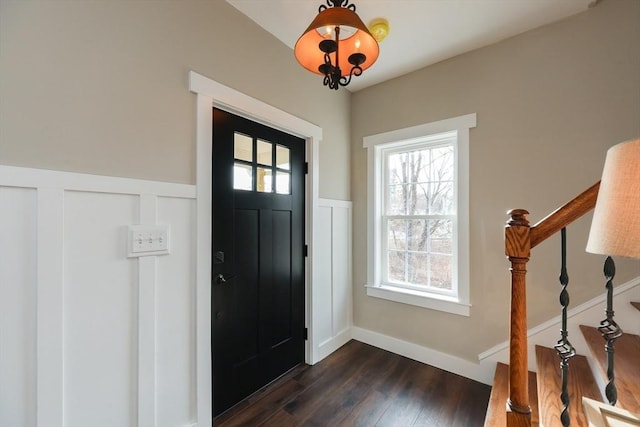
x=89 y=337
x=176 y=328
x=332 y=290
x=17 y=306
x=99 y=305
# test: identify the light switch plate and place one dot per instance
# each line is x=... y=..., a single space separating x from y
x=147 y=240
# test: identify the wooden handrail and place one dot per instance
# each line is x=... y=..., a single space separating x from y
x=564 y=215
x=520 y=237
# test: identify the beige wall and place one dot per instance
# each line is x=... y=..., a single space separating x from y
x=549 y=103
x=101 y=86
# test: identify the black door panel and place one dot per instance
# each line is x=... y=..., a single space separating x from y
x=258 y=241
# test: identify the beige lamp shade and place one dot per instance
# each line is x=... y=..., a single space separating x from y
x=354 y=37
x=615 y=229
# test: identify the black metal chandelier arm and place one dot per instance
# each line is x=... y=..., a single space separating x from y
x=356 y=70
x=337 y=3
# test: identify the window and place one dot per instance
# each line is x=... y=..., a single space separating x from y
x=418 y=215
x=271 y=163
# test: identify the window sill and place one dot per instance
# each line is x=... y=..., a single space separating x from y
x=420 y=299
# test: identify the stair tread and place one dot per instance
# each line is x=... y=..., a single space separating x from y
x=626 y=366
x=496 y=411
x=636 y=304
x=581 y=383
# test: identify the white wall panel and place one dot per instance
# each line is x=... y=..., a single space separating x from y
x=100 y=303
x=17 y=307
x=89 y=337
x=341 y=261
x=322 y=290
x=332 y=288
x=176 y=317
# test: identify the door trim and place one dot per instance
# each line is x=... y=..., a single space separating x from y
x=213 y=94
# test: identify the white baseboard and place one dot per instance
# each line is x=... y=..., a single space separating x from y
x=331 y=345
x=482 y=372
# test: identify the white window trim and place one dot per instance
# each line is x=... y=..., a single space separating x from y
x=375 y=288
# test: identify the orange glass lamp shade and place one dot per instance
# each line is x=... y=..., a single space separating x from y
x=337 y=45
x=615 y=228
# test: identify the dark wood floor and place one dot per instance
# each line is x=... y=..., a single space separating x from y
x=361 y=385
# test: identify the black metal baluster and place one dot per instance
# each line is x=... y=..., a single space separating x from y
x=564 y=348
x=610 y=331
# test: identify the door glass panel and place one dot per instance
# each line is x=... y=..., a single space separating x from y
x=265 y=152
x=282 y=183
x=282 y=157
x=242 y=177
x=265 y=179
x=242 y=147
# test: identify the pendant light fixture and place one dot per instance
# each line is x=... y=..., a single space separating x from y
x=337 y=44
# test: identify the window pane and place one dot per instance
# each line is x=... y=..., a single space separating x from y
x=282 y=157
x=265 y=152
x=397 y=234
x=242 y=147
x=420 y=182
x=417 y=269
x=441 y=236
x=265 y=180
x=417 y=198
x=396 y=171
x=441 y=200
x=396 y=267
x=242 y=177
x=396 y=200
x=441 y=164
x=417 y=166
x=282 y=183
x=417 y=235
x=440 y=266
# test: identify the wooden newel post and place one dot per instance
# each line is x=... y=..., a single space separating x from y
x=518 y=249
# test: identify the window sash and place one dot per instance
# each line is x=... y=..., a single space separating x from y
x=428 y=143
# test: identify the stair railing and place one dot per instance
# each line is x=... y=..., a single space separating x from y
x=520 y=238
x=564 y=348
x=610 y=331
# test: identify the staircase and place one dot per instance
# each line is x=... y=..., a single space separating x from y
x=545 y=385
x=553 y=396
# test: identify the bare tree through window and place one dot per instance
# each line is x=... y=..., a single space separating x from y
x=419 y=211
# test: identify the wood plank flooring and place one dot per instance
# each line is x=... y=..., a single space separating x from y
x=361 y=385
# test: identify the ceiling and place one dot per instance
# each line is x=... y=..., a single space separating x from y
x=422 y=32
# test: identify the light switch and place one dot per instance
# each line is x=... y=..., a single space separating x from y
x=146 y=240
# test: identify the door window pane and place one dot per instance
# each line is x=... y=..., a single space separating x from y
x=283 y=183
x=282 y=157
x=265 y=179
x=242 y=177
x=265 y=152
x=242 y=147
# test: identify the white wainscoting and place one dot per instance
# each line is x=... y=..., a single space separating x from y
x=89 y=337
x=332 y=282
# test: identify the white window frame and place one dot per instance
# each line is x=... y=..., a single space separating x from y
x=456 y=302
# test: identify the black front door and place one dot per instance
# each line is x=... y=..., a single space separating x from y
x=258 y=258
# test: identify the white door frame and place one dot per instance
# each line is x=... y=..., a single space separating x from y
x=209 y=94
